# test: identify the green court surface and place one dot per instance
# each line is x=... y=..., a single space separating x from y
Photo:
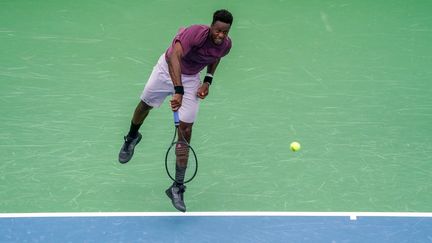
x=349 y=80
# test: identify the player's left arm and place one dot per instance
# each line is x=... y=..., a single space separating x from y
x=205 y=86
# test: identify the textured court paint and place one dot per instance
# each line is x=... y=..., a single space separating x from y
x=349 y=80
x=215 y=229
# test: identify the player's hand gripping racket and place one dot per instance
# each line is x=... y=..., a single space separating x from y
x=180 y=155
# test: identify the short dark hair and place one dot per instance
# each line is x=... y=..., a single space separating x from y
x=223 y=15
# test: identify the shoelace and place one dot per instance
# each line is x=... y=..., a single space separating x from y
x=128 y=141
x=182 y=189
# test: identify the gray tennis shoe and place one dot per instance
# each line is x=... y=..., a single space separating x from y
x=127 y=150
x=175 y=193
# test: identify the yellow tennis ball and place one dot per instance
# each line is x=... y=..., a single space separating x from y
x=295 y=146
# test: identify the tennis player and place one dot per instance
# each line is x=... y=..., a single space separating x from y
x=177 y=73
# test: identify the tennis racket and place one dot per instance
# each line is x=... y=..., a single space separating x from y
x=180 y=155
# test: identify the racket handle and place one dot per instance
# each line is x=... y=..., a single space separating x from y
x=176 y=119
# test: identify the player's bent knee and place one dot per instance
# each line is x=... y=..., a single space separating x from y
x=144 y=106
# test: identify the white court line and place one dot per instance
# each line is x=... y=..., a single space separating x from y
x=351 y=215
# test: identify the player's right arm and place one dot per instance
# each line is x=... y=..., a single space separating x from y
x=175 y=73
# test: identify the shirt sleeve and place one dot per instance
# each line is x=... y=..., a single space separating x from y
x=191 y=37
x=229 y=45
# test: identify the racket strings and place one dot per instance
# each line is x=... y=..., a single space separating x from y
x=181 y=163
x=182 y=154
x=180 y=174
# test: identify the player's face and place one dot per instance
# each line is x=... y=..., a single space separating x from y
x=219 y=31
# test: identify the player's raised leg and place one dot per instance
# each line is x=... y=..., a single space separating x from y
x=134 y=137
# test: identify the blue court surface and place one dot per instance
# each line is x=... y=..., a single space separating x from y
x=216 y=227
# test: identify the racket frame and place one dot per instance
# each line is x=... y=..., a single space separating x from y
x=178 y=134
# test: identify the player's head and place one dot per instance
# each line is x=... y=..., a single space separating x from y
x=224 y=16
x=222 y=21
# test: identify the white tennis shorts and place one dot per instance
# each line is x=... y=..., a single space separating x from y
x=159 y=86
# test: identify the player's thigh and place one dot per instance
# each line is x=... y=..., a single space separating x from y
x=157 y=88
x=190 y=103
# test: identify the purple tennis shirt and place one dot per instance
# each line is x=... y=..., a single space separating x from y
x=198 y=48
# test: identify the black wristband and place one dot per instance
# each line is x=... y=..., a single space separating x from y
x=179 y=90
x=208 y=79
